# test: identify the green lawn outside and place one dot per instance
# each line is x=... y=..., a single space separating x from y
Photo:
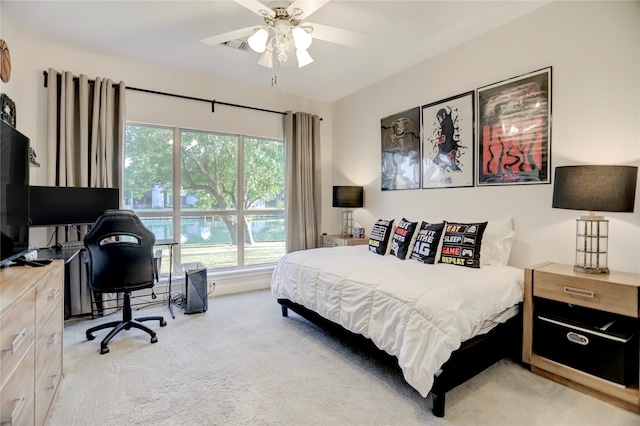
x=221 y=256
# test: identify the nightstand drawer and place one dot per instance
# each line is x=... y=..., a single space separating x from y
x=337 y=240
x=609 y=352
x=332 y=242
x=590 y=293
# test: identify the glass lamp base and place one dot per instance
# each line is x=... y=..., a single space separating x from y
x=587 y=270
x=591 y=245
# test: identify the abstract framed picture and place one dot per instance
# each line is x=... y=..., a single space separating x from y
x=514 y=130
x=448 y=142
x=400 y=135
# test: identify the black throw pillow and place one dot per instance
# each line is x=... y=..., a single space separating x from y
x=379 y=237
x=427 y=242
x=461 y=243
x=403 y=238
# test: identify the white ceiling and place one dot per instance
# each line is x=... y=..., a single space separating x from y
x=399 y=34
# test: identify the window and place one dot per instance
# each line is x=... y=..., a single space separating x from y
x=224 y=193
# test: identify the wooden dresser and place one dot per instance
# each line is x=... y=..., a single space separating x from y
x=31 y=331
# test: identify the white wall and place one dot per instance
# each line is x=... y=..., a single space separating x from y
x=594 y=50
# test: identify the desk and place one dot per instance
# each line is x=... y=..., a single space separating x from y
x=77 y=294
x=169 y=243
x=79 y=299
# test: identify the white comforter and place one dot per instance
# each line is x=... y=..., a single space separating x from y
x=419 y=313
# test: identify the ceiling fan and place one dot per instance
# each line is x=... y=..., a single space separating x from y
x=285 y=32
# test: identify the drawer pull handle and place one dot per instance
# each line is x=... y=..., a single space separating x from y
x=15 y=413
x=54 y=338
x=579 y=292
x=55 y=293
x=56 y=380
x=577 y=338
x=21 y=337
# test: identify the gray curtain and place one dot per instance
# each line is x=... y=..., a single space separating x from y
x=302 y=148
x=85 y=139
x=85 y=130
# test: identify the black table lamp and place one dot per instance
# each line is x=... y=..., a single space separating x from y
x=348 y=197
x=594 y=188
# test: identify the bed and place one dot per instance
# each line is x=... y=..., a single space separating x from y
x=442 y=322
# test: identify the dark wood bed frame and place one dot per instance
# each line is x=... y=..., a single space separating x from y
x=474 y=356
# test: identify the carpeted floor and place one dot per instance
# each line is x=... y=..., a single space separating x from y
x=242 y=363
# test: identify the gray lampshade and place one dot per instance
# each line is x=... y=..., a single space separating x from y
x=348 y=196
x=595 y=188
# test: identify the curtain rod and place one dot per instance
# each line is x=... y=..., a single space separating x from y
x=212 y=102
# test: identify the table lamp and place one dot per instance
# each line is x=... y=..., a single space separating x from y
x=347 y=197
x=594 y=188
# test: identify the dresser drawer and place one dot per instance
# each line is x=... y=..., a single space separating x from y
x=49 y=294
x=17 y=393
x=47 y=385
x=48 y=339
x=17 y=334
x=591 y=293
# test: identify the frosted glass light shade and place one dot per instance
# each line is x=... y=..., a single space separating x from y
x=301 y=38
x=258 y=41
x=303 y=58
x=266 y=59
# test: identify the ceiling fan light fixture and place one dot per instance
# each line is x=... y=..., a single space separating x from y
x=301 y=38
x=258 y=41
x=303 y=58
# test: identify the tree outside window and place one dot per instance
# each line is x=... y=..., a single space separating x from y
x=223 y=181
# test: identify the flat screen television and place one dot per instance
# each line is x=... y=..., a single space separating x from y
x=14 y=193
x=66 y=205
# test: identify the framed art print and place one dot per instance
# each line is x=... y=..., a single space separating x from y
x=400 y=135
x=514 y=130
x=447 y=159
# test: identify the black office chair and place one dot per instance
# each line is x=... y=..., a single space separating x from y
x=120 y=259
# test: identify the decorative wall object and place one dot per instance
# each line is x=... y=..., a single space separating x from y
x=5 y=62
x=514 y=134
x=401 y=150
x=447 y=154
x=8 y=111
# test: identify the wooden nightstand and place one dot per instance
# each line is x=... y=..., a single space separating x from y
x=554 y=295
x=337 y=240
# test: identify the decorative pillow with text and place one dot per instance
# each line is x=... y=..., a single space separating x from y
x=403 y=238
x=461 y=243
x=427 y=242
x=379 y=236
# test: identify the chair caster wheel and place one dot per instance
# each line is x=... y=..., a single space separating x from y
x=163 y=323
x=154 y=339
x=90 y=336
x=104 y=350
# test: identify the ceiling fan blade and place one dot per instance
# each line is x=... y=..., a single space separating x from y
x=256 y=7
x=307 y=6
x=231 y=35
x=336 y=35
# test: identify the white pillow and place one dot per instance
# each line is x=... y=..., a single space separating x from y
x=497 y=242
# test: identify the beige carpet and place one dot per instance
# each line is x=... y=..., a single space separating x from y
x=242 y=363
